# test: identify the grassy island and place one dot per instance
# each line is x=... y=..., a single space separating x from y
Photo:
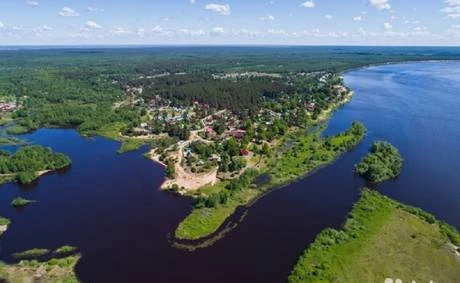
x=65 y=250
x=307 y=152
x=382 y=239
x=21 y=202
x=383 y=163
x=29 y=162
x=32 y=253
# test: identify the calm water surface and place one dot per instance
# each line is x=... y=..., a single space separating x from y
x=109 y=205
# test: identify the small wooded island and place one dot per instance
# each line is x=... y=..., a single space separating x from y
x=29 y=163
x=21 y=202
x=383 y=163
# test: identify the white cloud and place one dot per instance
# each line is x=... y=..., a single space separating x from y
x=380 y=4
x=1 y=25
x=308 y=4
x=157 y=29
x=223 y=9
x=94 y=9
x=32 y=3
x=68 y=12
x=358 y=19
x=266 y=18
x=217 y=31
x=192 y=1
x=191 y=32
x=277 y=31
x=92 y=25
x=452 y=10
x=387 y=26
x=246 y=32
x=328 y=17
x=41 y=29
x=120 y=31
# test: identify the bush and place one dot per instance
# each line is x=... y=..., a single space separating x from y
x=170 y=169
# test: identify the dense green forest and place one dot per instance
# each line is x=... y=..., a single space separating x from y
x=235 y=95
x=382 y=163
x=28 y=161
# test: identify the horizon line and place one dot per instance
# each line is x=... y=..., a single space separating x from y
x=116 y=45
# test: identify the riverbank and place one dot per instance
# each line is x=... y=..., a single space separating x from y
x=308 y=152
x=382 y=239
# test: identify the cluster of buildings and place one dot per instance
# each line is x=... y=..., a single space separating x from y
x=7 y=106
x=245 y=75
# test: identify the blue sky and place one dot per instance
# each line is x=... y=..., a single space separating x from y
x=302 y=22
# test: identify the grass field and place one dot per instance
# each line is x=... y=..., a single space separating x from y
x=382 y=239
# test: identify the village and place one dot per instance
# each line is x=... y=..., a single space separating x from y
x=206 y=144
x=8 y=106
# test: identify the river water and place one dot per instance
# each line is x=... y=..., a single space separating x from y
x=110 y=207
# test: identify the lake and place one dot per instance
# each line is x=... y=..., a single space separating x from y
x=109 y=205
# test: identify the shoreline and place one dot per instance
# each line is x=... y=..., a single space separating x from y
x=397 y=63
